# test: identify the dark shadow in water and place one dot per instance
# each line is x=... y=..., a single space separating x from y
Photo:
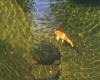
x=22 y=4
x=87 y=2
x=4 y=48
x=12 y=63
x=46 y=54
x=75 y=48
x=56 y=77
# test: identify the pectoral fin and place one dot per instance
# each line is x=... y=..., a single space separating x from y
x=57 y=37
x=62 y=41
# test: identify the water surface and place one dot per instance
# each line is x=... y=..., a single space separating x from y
x=80 y=22
x=29 y=49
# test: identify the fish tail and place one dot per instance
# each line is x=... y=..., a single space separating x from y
x=69 y=41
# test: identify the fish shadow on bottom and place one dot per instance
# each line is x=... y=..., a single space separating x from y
x=46 y=54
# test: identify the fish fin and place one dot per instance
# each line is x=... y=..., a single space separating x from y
x=72 y=45
x=62 y=41
x=57 y=37
x=63 y=36
x=70 y=42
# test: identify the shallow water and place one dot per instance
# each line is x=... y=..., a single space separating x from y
x=29 y=49
x=79 y=21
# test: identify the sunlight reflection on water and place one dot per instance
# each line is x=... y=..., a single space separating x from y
x=42 y=15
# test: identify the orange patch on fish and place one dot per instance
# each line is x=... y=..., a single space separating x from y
x=61 y=35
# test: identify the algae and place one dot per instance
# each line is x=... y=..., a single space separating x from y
x=80 y=21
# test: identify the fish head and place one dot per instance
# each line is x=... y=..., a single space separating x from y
x=57 y=32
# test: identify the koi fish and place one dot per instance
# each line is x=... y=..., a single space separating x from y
x=63 y=37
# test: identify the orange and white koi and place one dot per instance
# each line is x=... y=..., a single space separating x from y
x=61 y=35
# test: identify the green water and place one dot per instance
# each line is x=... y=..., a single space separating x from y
x=26 y=56
x=81 y=22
